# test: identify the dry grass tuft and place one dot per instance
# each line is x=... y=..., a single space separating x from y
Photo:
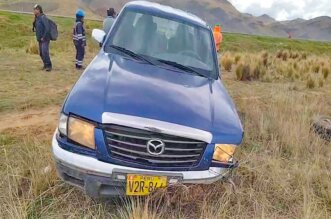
x=243 y=72
x=33 y=48
x=316 y=68
x=294 y=55
x=321 y=82
x=227 y=62
x=265 y=58
x=280 y=66
x=283 y=54
x=257 y=71
x=310 y=82
x=237 y=59
x=326 y=72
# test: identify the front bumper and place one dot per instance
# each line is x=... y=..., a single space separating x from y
x=100 y=179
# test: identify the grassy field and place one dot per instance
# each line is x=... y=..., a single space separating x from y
x=285 y=169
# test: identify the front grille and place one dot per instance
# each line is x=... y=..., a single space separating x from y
x=130 y=145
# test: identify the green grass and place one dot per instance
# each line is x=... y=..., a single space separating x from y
x=249 y=43
x=16 y=31
x=16 y=37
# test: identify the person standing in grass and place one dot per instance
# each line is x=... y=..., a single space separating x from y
x=110 y=19
x=42 y=28
x=218 y=37
x=79 y=38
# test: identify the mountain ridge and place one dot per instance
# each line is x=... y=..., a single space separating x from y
x=213 y=11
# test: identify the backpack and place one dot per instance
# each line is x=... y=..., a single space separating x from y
x=53 y=32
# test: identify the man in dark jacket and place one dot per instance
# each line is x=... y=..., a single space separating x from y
x=42 y=29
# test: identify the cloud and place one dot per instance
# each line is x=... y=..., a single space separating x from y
x=285 y=9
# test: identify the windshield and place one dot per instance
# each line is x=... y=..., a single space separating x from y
x=165 y=40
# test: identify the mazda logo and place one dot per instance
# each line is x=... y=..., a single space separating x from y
x=155 y=147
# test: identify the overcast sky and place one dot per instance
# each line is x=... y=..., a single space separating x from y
x=285 y=9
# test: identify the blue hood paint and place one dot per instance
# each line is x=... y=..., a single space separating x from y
x=116 y=84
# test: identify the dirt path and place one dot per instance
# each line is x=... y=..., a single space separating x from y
x=29 y=118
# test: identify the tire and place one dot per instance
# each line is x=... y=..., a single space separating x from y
x=322 y=127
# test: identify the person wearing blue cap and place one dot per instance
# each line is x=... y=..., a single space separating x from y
x=79 y=38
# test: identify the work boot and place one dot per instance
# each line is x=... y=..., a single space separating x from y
x=79 y=67
x=48 y=69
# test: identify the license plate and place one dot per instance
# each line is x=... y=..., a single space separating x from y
x=140 y=185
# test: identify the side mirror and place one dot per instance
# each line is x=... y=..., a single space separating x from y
x=98 y=35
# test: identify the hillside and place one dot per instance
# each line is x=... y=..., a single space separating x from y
x=57 y=7
x=214 y=11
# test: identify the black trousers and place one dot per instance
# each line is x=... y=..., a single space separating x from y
x=80 y=54
x=44 y=53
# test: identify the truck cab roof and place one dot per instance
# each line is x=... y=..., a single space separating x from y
x=166 y=11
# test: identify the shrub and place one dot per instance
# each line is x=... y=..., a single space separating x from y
x=310 y=83
x=305 y=68
x=282 y=55
x=290 y=72
x=227 y=62
x=294 y=55
x=243 y=72
x=32 y=48
x=321 y=82
x=295 y=66
x=296 y=76
x=265 y=57
x=239 y=72
x=304 y=56
x=316 y=68
x=279 y=54
x=265 y=54
x=325 y=72
x=285 y=56
x=237 y=59
x=257 y=72
x=267 y=78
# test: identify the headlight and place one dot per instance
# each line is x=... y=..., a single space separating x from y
x=224 y=152
x=63 y=124
x=81 y=132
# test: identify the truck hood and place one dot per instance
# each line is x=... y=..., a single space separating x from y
x=116 y=84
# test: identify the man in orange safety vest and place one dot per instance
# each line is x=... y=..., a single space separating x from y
x=218 y=37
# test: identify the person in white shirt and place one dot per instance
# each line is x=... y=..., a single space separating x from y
x=110 y=19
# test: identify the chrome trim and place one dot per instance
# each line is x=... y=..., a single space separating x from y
x=155 y=144
x=154 y=161
x=144 y=138
x=163 y=127
x=144 y=146
x=183 y=149
x=167 y=148
x=128 y=143
x=150 y=155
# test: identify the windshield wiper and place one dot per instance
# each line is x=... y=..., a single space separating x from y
x=132 y=54
x=181 y=67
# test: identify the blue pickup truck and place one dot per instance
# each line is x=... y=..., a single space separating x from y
x=150 y=110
